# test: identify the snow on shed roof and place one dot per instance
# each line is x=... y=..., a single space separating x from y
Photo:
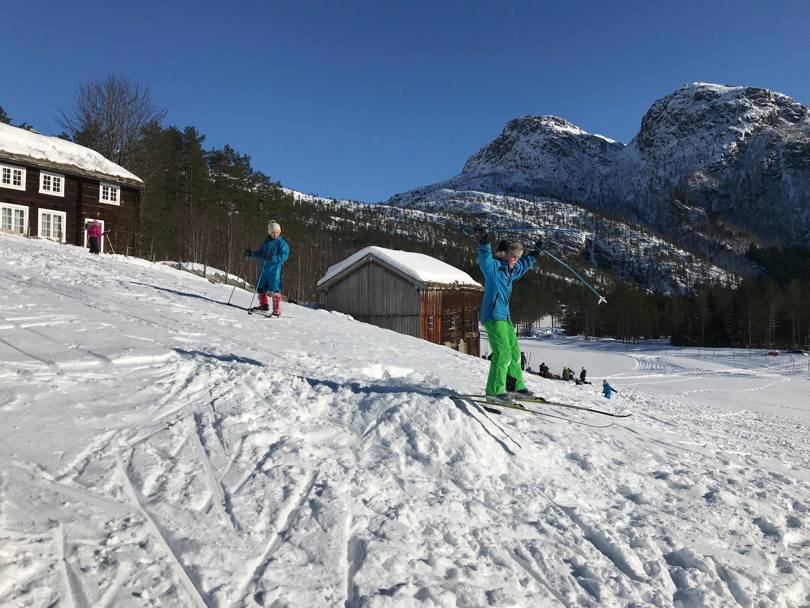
x=419 y=266
x=20 y=144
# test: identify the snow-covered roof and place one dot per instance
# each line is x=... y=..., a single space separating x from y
x=22 y=145
x=418 y=266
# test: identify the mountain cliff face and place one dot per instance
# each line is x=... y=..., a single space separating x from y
x=711 y=166
x=741 y=154
x=545 y=156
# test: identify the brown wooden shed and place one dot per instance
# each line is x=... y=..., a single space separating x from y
x=51 y=188
x=410 y=293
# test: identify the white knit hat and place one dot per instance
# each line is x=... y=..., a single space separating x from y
x=273 y=225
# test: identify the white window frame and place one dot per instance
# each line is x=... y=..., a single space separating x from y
x=11 y=186
x=53 y=177
x=116 y=190
x=61 y=214
x=11 y=206
x=87 y=222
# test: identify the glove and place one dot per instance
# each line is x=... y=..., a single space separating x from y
x=247 y=253
x=480 y=232
x=537 y=252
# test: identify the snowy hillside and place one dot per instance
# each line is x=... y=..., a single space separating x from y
x=161 y=448
x=630 y=251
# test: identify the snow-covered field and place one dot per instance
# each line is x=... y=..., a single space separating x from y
x=160 y=448
x=731 y=379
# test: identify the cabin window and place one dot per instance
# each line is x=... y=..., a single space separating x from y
x=13 y=218
x=52 y=225
x=430 y=326
x=51 y=183
x=12 y=177
x=108 y=193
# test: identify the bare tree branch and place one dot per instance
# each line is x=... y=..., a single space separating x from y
x=109 y=115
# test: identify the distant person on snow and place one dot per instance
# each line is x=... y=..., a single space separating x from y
x=582 y=376
x=94 y=236
x=499 y=274
x=608 y=390
x=273 y=252
x=565 y=373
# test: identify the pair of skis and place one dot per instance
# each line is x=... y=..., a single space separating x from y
x=519 y=405
x=263 y=313
x=256 y=311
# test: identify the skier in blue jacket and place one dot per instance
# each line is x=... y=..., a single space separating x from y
x=273 y=252
x=499 y=274
x=607 y=390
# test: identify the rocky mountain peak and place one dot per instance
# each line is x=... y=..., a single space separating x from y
x=712 y=118
x=528 y=143
x=553 y=125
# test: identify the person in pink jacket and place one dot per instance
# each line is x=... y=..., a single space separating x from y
x=94 y=236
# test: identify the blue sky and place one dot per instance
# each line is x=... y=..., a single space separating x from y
x=366 y=99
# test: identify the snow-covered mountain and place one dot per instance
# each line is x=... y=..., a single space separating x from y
x=714 y=167
x=542 y=155
x=629 y=251
x=161 y=448
x=741 y=154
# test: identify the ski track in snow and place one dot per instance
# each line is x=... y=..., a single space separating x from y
x=159 y=448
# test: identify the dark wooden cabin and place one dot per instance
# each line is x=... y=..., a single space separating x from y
x=410 y=293
x=51 y=188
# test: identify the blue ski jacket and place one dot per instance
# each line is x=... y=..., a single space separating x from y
x=273 y=253
x=607 y=390
x=498 y=281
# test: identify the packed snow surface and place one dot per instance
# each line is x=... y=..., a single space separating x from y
x=22 y=142
x=161 y=448
x=421 y=267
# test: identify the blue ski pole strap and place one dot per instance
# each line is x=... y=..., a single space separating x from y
x=577 y=275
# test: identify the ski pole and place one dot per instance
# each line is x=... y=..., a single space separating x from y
x=259 y=278
x=239 y=276
x=109 y=242
x=468 y=232
x=553 y=257
x=577 y=275
x=535 y=229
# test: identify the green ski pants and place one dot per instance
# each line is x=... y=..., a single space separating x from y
x=505 y=357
